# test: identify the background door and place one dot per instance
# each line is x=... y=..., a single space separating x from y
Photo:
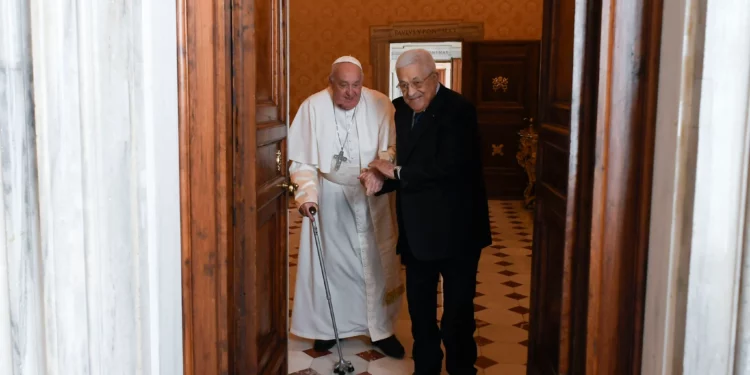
x=502 y=80
x=233 y=120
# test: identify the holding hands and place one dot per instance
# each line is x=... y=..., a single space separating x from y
x=372 y=180
x=374 y=177
x=385 y=167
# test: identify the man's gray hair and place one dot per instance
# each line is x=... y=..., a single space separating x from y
x=418 y=56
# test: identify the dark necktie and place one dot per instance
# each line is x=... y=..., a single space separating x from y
x=415 y=119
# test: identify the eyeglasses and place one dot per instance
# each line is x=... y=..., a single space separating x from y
x=417 y=84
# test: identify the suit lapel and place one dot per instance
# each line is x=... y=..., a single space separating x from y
x=426 y=121
x=403 y=122
x=424 y=124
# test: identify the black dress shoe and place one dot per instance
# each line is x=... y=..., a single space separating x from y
x=323 y=345
x=391 y=347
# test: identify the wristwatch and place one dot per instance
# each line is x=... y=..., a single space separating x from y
x=397 y=172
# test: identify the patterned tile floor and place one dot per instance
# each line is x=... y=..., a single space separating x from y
x=502 y=307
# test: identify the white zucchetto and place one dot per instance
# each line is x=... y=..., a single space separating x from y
x=348 y=59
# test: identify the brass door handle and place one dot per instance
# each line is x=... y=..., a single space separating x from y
x=290 y=187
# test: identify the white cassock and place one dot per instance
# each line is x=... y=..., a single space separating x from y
x=358 y=233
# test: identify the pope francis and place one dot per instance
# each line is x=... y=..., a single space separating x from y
x=336 y=133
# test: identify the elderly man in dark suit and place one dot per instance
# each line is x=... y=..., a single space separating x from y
x=442 y=209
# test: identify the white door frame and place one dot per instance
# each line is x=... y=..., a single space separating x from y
x=695 y=320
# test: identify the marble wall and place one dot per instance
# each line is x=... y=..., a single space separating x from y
x=21 y=323
x=90 y=195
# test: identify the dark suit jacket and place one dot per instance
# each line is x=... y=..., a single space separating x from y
x=440 y=196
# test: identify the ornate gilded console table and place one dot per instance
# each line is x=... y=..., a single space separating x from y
x=526 y=157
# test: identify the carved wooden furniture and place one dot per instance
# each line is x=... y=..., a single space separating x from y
x=526 y=157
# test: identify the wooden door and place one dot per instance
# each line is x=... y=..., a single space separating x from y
x=550 y=327
x=260 y=202
x=441 y=75
x=502 y=80
x=594 y=162
x=233 y=120
x=456 y=69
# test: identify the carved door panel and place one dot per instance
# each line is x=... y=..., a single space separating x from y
x=233 y=126
x=260 y=241
x=549 y=321
x=502 y=80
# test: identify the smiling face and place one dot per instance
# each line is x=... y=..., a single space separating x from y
x=346 y=85
x=418 y=85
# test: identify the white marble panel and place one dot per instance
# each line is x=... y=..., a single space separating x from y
x=21 y=327
x=159 y=130
x=673 y=189
x=6 y=345
x=106 y=138
x=716 y=329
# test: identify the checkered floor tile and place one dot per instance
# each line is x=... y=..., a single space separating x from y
x=501 y=305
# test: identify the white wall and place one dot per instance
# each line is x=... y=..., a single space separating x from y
x=94 y=284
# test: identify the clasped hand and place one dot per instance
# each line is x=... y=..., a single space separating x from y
x=373 y=178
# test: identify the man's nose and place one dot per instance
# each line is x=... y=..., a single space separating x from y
x=411 y=91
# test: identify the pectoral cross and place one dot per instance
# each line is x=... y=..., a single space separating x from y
x=339 y=159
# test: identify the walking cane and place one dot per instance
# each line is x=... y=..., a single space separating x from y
x=343 y=366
